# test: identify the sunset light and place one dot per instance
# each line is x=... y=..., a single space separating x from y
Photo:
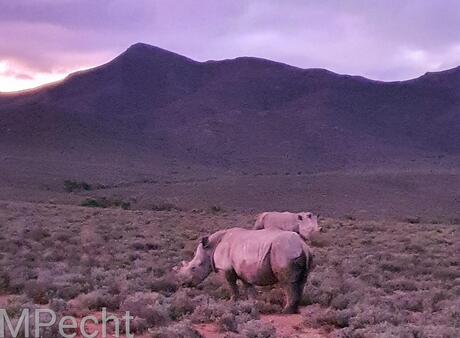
x=11 y=80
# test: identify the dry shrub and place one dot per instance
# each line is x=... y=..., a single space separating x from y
x=228 y=322
x=165 y=206
x=257 y=329
x=318 y=240
x=15 y=304
x=44 y=317
x=210 y=310
x=4 y=281
x=150 y=306
x=331 y=319
x=165 y=285
x=105 y=202
x=71 y=186
x=36 y=233
x=413 y=220
x=36 y=291
x=400 y=284
x=96 y=300
x=137 y=325
x=182 y=303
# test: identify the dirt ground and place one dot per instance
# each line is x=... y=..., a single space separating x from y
x=285 y=325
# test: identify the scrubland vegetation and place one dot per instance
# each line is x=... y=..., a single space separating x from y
x=371 y=279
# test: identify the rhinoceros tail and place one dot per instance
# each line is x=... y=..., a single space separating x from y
x=259 y=224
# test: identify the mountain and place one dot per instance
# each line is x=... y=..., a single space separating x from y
x=157 y=107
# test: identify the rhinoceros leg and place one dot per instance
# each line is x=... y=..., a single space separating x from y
x=294 y=279
x=293 y=296
x=250 y=290
x=231 y=278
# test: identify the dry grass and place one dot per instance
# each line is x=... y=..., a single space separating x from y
x=370 y=278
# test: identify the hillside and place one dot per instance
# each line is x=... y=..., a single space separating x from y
x=149 y=103
x=246 y=133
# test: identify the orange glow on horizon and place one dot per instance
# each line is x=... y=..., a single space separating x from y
x=10 y=82
x=14 y=78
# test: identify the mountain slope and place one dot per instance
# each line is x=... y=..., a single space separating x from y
x=154 y=106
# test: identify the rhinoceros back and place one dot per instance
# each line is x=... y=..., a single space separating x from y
x=255 y=254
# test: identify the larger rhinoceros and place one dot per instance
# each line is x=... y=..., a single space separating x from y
x=256 y=257
x=304 y=223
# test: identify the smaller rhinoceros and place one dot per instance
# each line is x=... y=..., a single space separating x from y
x=303 y=223
x=256 y=257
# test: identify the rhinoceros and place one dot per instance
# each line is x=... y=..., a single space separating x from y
x=303 y=223
x=256 y=257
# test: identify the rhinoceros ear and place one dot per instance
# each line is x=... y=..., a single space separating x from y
x=205 y=241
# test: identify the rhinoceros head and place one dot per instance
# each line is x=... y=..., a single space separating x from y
x=308 y=224
x=195 y=271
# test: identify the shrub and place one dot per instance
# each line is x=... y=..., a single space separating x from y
x=15 y=305
x=137 y=325
x=104 y=202
x=166 y=284
x=332 y=318
x=150 y=306
x=181 y=304
x=257 y=329
x=208 y=311
x=93 y=203
x=37 y=234
x=228 y=322
x=413 y=220
x=216 y=209
x=165 y=206
x=36 y=291
x=98 y=299
x=4 y=281
x=71 y=186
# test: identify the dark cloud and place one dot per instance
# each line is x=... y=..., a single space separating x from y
x=386 y=40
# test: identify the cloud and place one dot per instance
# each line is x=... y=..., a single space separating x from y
x=387 y=40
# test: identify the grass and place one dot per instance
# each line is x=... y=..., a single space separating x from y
x=370 y=279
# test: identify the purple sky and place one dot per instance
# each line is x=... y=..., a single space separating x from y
x=42 y=40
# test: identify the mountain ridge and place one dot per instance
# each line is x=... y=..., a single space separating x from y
x=153 y=104
x=155 y=51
